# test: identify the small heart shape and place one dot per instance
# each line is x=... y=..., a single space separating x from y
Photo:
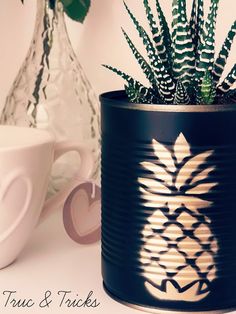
x=82 y=213
x=15 y=196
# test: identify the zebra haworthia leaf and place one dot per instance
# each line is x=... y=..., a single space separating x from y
x=157 y=37
x=147 y=70
x=229 y=81
x=184 y=60
x=220 y=62
x=197 y=23
x=135 y=90
x=181 y=65
x=207 y=47
x=151 y=51
x=165 y=33
x=139 y=94
x=165 y=83
x=181 y=95
x=228 y=97
x=175 y=19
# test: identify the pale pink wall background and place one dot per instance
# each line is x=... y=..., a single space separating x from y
x=98 y=41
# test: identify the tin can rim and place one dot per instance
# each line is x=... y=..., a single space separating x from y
x=118 y=99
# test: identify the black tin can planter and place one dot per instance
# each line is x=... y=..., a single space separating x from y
x=169 y=205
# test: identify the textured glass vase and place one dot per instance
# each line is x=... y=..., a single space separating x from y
x=52 y=92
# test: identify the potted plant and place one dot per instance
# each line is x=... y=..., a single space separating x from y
x=168 y=169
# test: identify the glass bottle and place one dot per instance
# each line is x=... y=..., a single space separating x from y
x=51 y=91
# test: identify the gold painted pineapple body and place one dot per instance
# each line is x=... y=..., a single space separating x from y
x=178 y=255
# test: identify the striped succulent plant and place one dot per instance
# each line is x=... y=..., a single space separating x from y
x=180 y=65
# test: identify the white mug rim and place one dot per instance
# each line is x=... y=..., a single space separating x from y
x=35 y=137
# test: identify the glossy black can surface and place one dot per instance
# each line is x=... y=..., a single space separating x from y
x=169 y=204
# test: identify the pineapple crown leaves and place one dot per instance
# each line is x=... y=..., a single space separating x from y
x=183 y=171
x=181 y=66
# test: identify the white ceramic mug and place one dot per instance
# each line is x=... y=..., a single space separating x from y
x=26 y=159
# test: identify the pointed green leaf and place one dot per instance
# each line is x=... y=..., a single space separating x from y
x=220 y=63
x=184 y=60
x=181 y=95
x=193 y=90
x=166 y=85
x=157 y=37
x=142 y=62
x=141 y=95
x=208 y=89
x=123 y=75
x=229 y=81
x=136 y=92
x=227 y=98
x=207 y=47
x=197 y=23
x=165 y=32
x=198 y=96
x=175 y=20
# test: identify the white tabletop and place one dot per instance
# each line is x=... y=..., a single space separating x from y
x=51 y=261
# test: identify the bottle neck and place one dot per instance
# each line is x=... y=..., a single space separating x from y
x=50 y=27
x=47 y=18
x=49 y=7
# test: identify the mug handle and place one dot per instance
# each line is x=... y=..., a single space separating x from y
x=84 y=173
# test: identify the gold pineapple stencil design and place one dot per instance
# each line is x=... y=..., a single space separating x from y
x=178 y=255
